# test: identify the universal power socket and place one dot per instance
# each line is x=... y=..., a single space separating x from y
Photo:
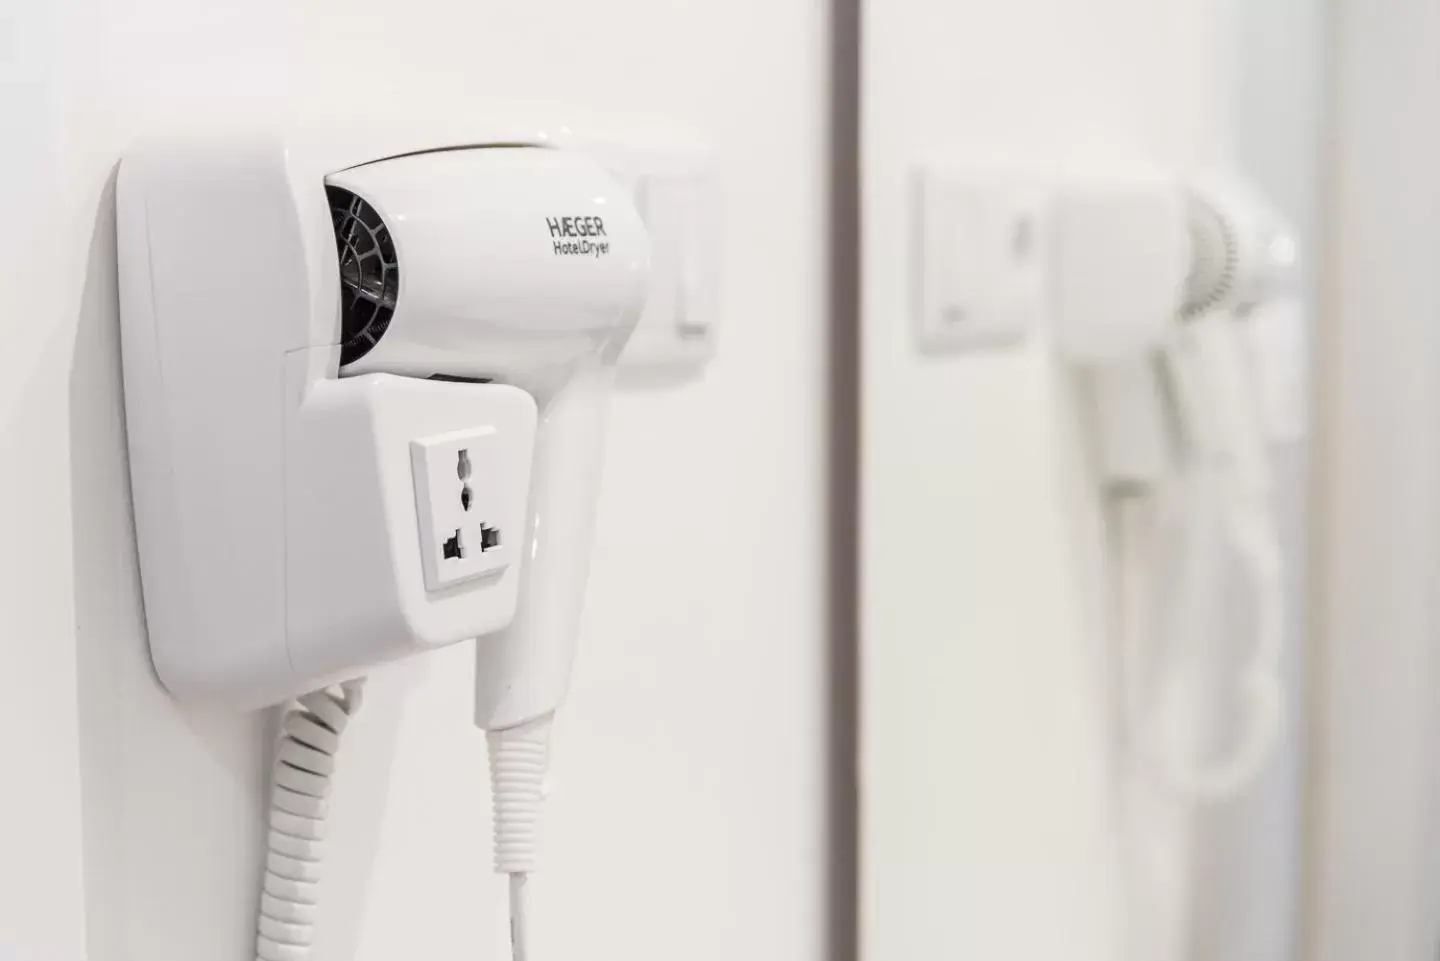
x=470 y=502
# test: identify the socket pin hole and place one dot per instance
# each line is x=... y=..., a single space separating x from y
x=462 y=465
x=465 y=497
x=489 y=537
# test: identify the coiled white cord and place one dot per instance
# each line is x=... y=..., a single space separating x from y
x=519 y=758
x=1250 y=529
x=304 y=764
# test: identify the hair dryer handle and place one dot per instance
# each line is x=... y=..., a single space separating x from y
x=523 y=672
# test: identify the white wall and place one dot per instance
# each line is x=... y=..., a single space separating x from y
x=688 y=807
x=1376 y=885
x=989 y=822
x=40 y=883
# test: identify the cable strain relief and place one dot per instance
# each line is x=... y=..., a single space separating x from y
x=519 y=757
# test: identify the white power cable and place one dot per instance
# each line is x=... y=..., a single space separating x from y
x=304 y=763
x=1222 y=472
x=1251 y=532
x=299 y=806
x=519 y=758
x=519 y=917
x=1161 y=783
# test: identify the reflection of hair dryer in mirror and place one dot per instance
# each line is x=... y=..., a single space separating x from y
x=1197 y=418
x=1236 y=371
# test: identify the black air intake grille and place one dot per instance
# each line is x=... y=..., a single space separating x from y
x=369 y=274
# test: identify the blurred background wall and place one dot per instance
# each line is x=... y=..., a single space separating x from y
x=1375 y=881
x=688 y=809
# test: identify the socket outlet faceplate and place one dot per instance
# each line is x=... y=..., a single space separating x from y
x=981 y=271
x=470 y=504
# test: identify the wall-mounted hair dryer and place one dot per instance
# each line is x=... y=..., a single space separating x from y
x=1187 y=426
x=365 y=388
x=1185 y=417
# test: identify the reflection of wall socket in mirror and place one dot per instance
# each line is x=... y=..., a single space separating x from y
x=470 y=502
x=982 y=239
